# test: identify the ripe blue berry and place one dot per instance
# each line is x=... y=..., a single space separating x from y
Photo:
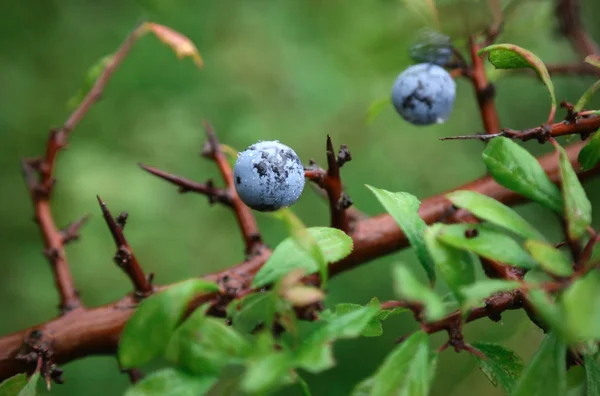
x=431 y=46
x=268 y=176
x=424 y=94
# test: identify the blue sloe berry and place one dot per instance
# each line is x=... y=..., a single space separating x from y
x=424 y=94
x=268 y=176
x=431 y=46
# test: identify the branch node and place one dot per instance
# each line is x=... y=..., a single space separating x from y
x=122 y=219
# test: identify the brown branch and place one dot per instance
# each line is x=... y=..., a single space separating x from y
x=39 y=176
x=214 y=194
x=582 y=126
x=568 y=13
x=124 y=257
x=96 y=331
x=484 y=91
x=331 y=182
x=244 y=216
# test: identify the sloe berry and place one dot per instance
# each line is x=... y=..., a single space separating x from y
x=268 y=176
x=424 y=94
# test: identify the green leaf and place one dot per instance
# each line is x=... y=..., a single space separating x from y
x=30 y=388
x=486 y=243
x=590 y=153
x=410 y=289
x=475 y=294
x=592 y=374
x=593 y=60
x=487 y=208
x=334 y=244
x=13 y=385
x=456 y=266
x=502 y=366
x=376 y=108
x=206 y=345
x=585 y=98
x=550 y=258
x=252 y=310
x=314 y=355
x=374 y=328
x=516 y=169
x=510 y=56
x=406 y=370
x=267 y=372
x=546 y=374
x=92 y=74
x=148 y=331
x=303 y=386
x=404 y=208
x=170 y=381
x=581 y=305
x=578 y=208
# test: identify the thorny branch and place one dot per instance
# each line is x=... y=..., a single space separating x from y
x=124 y=257
x=583 y=126
x=214 y=194
x=331 y=182
x=568 y=13
x=243 y=214
x=96 y=331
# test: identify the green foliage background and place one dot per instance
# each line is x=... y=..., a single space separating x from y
x=290 y=70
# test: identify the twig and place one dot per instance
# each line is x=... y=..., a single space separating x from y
x=244 y=216
x=484 y=91
x=568 y=13
x=583 y=126
x=39 y=175
x=124 y=257
x=214 y=194
x=331 y=182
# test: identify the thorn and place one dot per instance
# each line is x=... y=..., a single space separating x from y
x=71 y=231
x=122 y=219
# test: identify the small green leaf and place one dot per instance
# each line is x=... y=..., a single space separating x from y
x=374 y=328
x=546 y=374
x=578 y=208
x=170 y=381
x=256 y=308
x=487 y=208
x=456 y=266
x=303 y=386
x=376 y=108
x=502 y=367
x=267 y=372
x=585 y=98
x=592 y=374
x=92 y=74
x=410 y=289
x=334 y=244
x=314 y=355
x=30 y=389
x=549 y=258
x=593 y=60
x=406 y=371
x=148 y=331
x=516 y=169
x=404 y=208
x=590 y=153
x=486 y=243
x=581 y=306
x=206 y=345
x=13 y=385
x=475 y=294
x=510 y=56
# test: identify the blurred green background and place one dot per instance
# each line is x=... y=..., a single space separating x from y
x=290 y=70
